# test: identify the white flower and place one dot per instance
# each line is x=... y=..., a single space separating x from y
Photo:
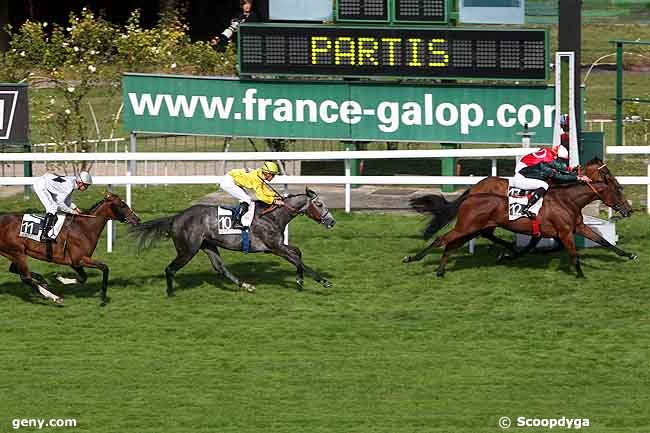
x=169 y=53
x=91 y=68
x=69 y=29
x=22 y=54
x=93 y=52
x=67 y=111
x=70 y=89
x=173 y=65
x=64 y=44
x=76 y=49
x=52 y=101
x=45 y=24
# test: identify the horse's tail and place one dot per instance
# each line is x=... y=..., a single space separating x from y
x=148 y=233
x=443 y=211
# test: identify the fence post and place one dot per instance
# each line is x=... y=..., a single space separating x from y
x=109 y=230
x=647 y=196
x=347 y=185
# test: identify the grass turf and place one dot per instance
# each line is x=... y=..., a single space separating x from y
x=389 y=348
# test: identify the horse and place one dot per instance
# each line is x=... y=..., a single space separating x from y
x=74 y=245
x=479 y=213
x=196 y=228
x=499 y=185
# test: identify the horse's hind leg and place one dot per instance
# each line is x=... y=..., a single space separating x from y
x=489 y=234
x=19 y=266
x=423 y=253
x=220 y=266
x=182 y=258
x=451 y=243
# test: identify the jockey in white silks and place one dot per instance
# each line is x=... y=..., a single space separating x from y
x=237 y=181
x=55 y=192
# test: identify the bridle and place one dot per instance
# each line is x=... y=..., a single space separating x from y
x=615 y=206
x=311 y=211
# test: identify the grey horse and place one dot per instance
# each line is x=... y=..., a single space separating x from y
x=195 y=229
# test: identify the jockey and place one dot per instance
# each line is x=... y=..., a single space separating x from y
x=54 y=191
x=238 y=179
x=535 y=170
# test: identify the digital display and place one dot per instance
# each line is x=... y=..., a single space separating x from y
x=392 y=51
x=363 y=10
x=431 y=11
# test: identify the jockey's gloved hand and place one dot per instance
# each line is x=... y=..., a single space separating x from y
x=583 y=178
x=278 y=202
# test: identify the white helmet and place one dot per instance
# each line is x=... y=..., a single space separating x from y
x=84 y=177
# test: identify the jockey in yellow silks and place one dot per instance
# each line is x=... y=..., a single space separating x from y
x=237 y=181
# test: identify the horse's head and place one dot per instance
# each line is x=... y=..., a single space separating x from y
x=612 y=195
x=115 y=208
x=317 y=210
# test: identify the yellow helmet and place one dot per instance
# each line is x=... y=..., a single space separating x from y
x=270 y=167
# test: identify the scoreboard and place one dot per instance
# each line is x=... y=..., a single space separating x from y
x=421 y=11
x=393 y=51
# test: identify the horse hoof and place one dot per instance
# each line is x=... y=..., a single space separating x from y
x=326 y=284
x=633 y=257
x=406 y=259
x=440 y=274
x=248 y=287
x=66 y=281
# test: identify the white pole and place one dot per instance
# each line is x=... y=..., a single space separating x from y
x=347 y=186
x=109 y=232
x=647 y=196
x=109 y=237
x=494 y=167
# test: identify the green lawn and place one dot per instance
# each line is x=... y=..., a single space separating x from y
x=389 y=348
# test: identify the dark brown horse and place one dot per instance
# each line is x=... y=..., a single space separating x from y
x=480 y=212
x=74 y=245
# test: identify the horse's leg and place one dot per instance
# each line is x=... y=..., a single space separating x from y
x=182 y=258
x=83 y=277
x=38 y=277
x=451 y=244
x=19 y=266
x=589 y=233
x=294 y=256
x=219 y=266
x=421 y=254
x=569 y=244
x=489 y=234
x=90 y=263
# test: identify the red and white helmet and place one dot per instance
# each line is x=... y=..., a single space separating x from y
x=561 y=151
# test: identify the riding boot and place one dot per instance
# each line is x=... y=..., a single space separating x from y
x=538 y=194
x=48 y=223
x=236 y=223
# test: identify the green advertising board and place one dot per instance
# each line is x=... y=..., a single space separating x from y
x=336 y=110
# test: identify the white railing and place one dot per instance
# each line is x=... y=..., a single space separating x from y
x=638 y=180
x=346 y=180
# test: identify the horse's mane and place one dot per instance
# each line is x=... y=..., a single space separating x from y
x=95 y=206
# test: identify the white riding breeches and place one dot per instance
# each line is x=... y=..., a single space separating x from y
x=523 y=182
x=46 y=198
x=229 y=185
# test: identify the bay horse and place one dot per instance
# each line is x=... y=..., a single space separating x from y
x=196 y=229
x=74 y=245
x=499 y=185
x=479 y=213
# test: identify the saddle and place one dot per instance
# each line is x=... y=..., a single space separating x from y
x=32 y=226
